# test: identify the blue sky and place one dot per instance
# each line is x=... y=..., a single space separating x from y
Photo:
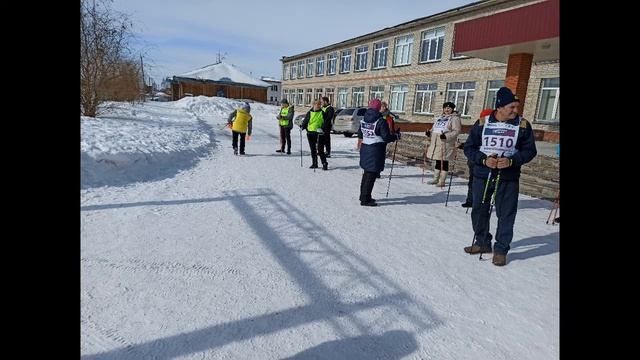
x=180 y=36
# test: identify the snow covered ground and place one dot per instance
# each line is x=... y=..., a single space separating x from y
x=190 y=252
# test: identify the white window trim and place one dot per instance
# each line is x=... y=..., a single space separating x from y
x=342 y=61
x=371 y=92
x=431 y=101
x=335 y=63
x=422 y=40
x=366 y=59
x=395 y=48
x=386 y=54
x=404 y=99
x=312 y=63
x=555 y=103
x=486 y=95
x=320 y=62
x=464 y=107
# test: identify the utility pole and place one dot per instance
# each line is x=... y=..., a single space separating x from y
x=143 y=81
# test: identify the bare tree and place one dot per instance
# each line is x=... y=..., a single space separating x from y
x=107 y=71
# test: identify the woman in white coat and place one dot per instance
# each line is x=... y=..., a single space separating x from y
x=445 y=132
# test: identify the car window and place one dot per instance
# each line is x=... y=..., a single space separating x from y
x=347 y=112
x=361 y=111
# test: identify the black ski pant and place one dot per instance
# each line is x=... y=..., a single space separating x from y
x=366 y=185
x=285 y=137
x=316 y=145
x=234 y=142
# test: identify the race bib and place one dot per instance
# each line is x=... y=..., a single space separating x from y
x=499 y=138
x=440 y=126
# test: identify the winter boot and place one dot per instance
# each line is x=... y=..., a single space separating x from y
x=476 y=249
x=436 y=177
x=443 y=178
x=499 y=259
x=325 y=166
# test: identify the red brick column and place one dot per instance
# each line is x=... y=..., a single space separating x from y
x=518 y=72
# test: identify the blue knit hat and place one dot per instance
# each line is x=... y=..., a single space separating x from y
x=504 y=97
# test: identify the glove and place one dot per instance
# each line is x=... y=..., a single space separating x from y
x=461 y=146
x=248 y=137
x=229 y=125
x=443 y=136
x=398 y=135
x=428 y=133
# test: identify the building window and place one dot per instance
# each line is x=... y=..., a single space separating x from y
x=276 y=99
x=431 y=47
x=317 y=94
x=285 y=94
x=309 y=67
x=425 y=93
x=331 y=63
x=292 y=73
x=461 y=94
x=357 y=96
x=307 y=97
x=299 y=97
x=300 y=69
x=376 y=92
x=361 y=58
x=274 y=88
x=398 y=95
x=402 y=51
x=285 y=72
x=342 y=97
x=549 y=102
x=329 y=93
x=380 y=54
x=271 y=98
x=492 y=89
x=320 y=65
x=345 y=61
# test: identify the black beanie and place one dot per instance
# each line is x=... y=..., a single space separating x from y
x=504 y=97
x=449 y=104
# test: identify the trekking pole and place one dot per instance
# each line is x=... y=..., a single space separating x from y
x=424 y=160
x=455 y=158
x=395 y=147
x=443 y=153
x=300 y=128
x=556 y=201
x=493 y=200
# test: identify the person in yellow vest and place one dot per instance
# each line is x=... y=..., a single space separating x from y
x=313 y=121
x=285 y=120
x=240 y=122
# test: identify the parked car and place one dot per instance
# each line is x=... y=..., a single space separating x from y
x=348 y=121
x=333 y=121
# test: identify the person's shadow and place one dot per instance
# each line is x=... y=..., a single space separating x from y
x=535 y=246
x=391 y=345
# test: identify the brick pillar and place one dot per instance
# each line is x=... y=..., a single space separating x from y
x=518 y=72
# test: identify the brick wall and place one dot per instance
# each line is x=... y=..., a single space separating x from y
x=539 y=178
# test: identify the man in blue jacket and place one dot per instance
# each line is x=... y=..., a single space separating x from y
x=498 y=147
x=375 y=134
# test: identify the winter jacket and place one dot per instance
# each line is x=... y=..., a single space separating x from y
x=327 y=113
x=241 y=120
x=436 y=146
x=313 y=121
x=289 y=117
x=525 y=146
x=391 y=120
x=372 y=156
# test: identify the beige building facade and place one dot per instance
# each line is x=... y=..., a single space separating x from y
x=412 y=67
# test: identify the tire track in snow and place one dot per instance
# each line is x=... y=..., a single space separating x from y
x=170 y=268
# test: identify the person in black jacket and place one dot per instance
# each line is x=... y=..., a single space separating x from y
x=285 y=121
x=498 y=147
x=328 y=113
x=375 y=134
